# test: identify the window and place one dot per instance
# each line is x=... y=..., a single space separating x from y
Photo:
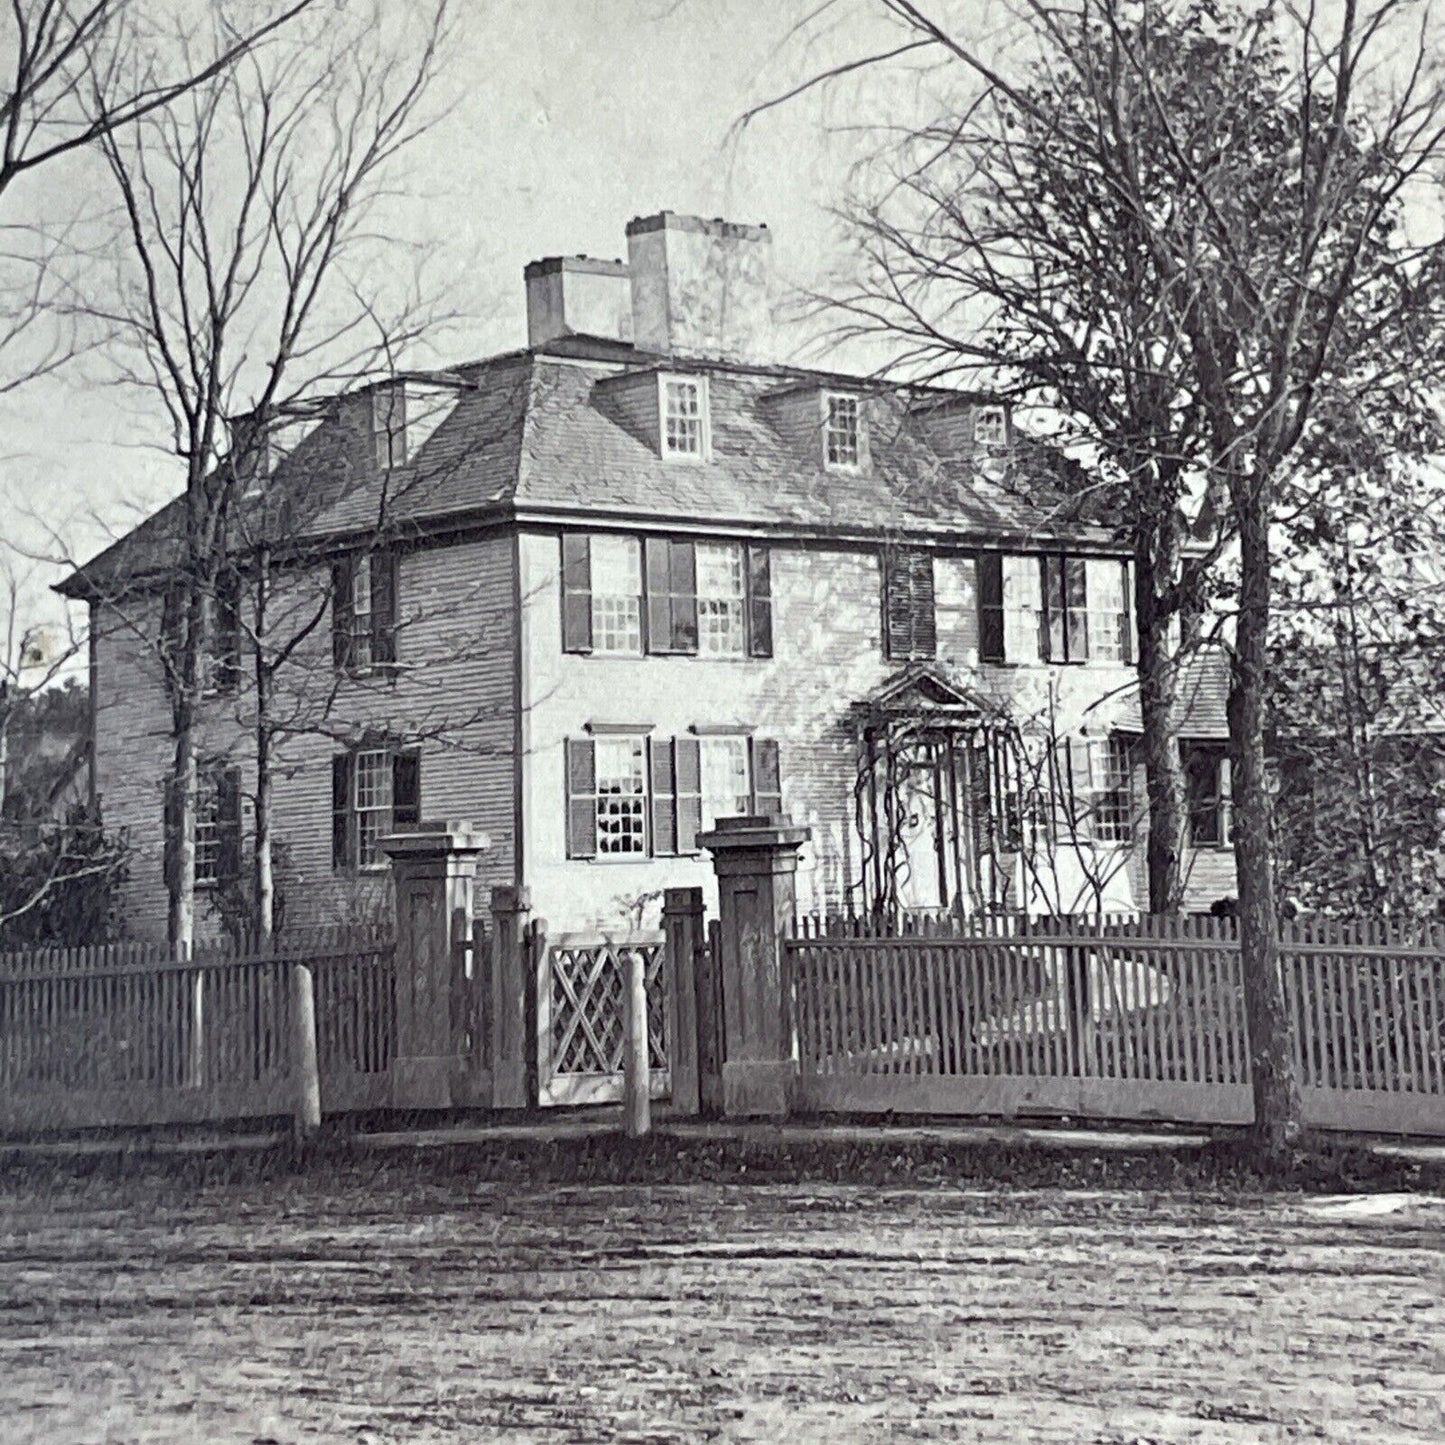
x=990 y=426
x=375 y=789
x=1206 y=783
x=1009 y=604
x=1103 y=789
x=1064 y=625
x=721 y=600
x=621 y=595
x=616 y=784
x=1109 y=611
x=363 y=611
x=388 y=425
x=841 y=434
x=616 y=595
x=218 y=826
x=909 y=625
x=955 y=609
x=684 y=417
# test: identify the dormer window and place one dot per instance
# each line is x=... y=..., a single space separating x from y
x=841 y=433
x=990 y=426
x=684 y=416
x=388 y=425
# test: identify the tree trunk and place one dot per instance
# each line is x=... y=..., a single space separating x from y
x=1159 y=718
x=1271 y=1052
x=265 y=901
x=180 y=840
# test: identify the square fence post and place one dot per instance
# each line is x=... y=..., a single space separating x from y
x=511 y=975
x=682 y=922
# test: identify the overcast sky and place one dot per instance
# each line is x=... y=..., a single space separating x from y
x=569 y=118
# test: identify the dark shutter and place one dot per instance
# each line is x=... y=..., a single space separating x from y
x=767 y=778
x=406 y=789
x=576 y=592
x=1076 y=609
x=682 y=586
x=581 y=798
x=909 y=625
x=990 y=608
x=341 y=849
x=228 y=823
x=664 y=790
x=688 y=755
x=342 y=614
x=383 y=607
x=1126 y=622
x=758 y=563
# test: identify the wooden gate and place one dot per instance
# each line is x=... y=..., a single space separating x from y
x=581 y=1022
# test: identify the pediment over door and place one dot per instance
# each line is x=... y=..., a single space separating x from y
x=921 y=692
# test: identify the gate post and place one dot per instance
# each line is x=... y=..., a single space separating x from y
x=756 y=861
x=434 y=871
x=511 y=977
x=682 y=924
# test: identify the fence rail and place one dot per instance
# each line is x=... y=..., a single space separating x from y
x=130 y=1035
x=1140 y=1018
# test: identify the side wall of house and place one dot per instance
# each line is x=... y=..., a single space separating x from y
x=827 y=655
x=454 y=690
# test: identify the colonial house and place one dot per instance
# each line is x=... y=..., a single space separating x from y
x=594 y=594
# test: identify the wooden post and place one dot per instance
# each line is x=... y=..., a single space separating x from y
x=511 y=977
x=682 y=922
x=196 y=1064
x=636 y=1076
x=305 y=1069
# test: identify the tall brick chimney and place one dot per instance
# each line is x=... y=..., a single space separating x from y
x=701 y=288
x=577 y=295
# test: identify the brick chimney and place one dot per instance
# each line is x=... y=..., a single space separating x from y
x=701 y=288
x=577 y=295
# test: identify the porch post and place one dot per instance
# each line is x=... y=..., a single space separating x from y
x=434 y=871
x=756 y=861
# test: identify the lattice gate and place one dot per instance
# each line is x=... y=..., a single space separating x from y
x=581 y=1022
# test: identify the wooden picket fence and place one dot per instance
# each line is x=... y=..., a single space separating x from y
x=1121 y=1018
x=129 y=1035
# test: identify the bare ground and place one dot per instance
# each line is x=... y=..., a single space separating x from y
x=381 y=1307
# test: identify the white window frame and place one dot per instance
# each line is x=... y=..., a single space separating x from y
x=206 y=834
x=712 y=749
x=1103 y=823
x=833 y=431
x=617 y=621
x=622 y=805
x=1111 y=630
x=990 y=426
x=371 y=820
x=1023 y=605
x=361 y=615
x=722 y=615
x=665 y=380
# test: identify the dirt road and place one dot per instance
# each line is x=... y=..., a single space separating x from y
x=371 y=1310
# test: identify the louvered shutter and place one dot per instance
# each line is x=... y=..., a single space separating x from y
x=342 y=614
x=383 y=607
x=758 y=562
x=581 y=798
x=990 y=608
x=664 y=791
x=342 y=851
x=406 y=789
x=688 y=776
x=228 y=824
x=682 y=588
x=576 y=592
x=908 y=612
x=767 y=778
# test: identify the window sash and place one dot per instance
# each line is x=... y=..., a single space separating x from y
x=721 y=600
x=207 y=831
x=621 y=782
x=682 y=417
x=1207 y=793
x=1110 y=791
x=842 y=432
x=727 y=785
x=371 y=801
x=616 y=564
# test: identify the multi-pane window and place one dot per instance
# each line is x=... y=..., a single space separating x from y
x=841 y=434
x=217 y=832
x=1064 y=629
x=363 y=603
x=616 y=594
x=621 y=798
x=684 y=416
x=1206 y=780
x=361 y=612
x=726 y=778
x=1107 y=787
x=721 y=600
x=375 y=789
x=990 y=426
x=630 y=797
x=1109 y=634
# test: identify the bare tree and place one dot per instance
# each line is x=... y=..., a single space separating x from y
x=248 y=203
